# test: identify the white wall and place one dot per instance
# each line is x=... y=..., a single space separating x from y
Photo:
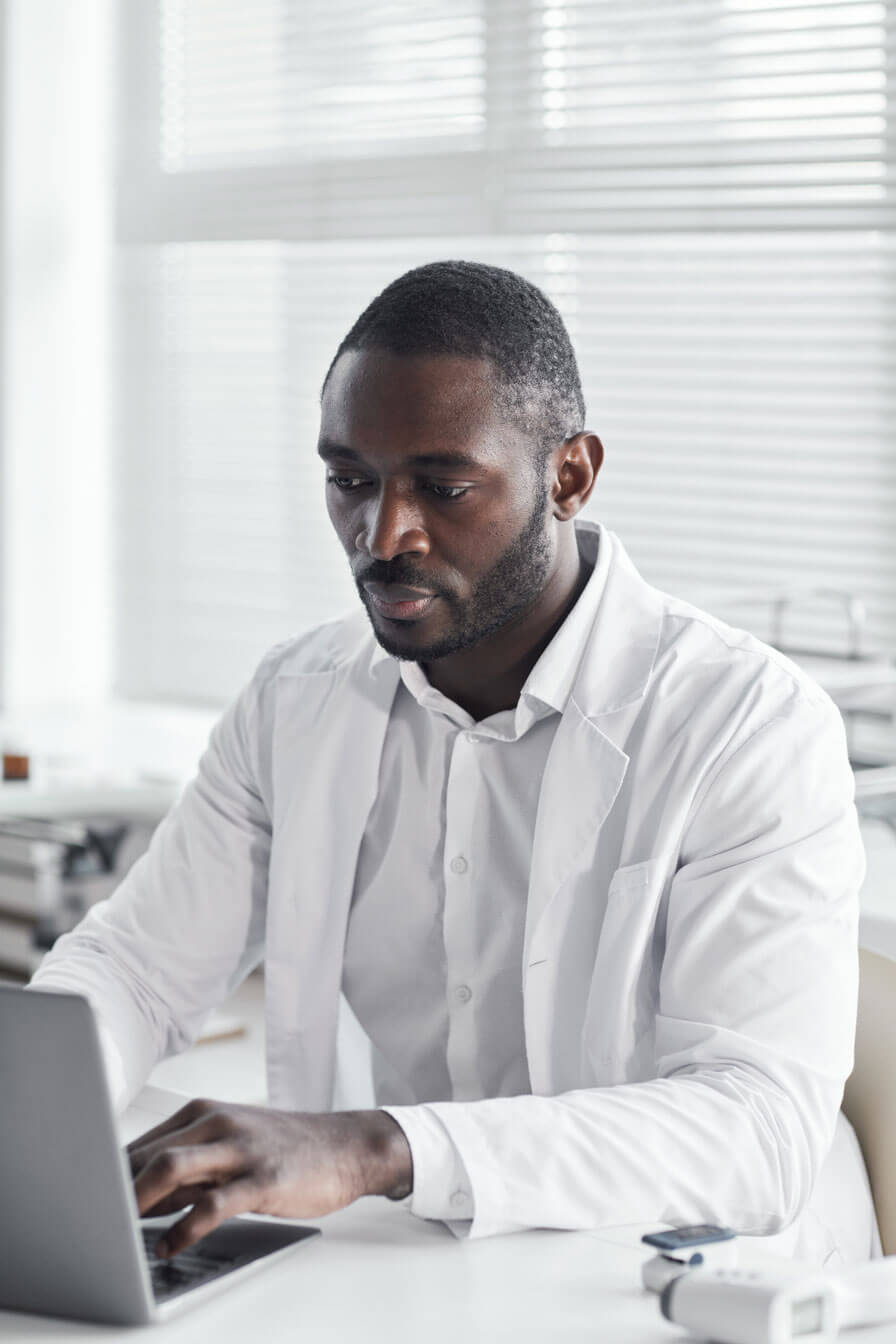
x=55 y=518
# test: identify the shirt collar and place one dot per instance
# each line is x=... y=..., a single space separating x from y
x=551 y=680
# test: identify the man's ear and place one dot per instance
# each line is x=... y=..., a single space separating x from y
x=576 y=464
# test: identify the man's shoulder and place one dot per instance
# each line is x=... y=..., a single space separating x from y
x=339 y=643
x=703 y=651
x=650 y=645
x=713 y=688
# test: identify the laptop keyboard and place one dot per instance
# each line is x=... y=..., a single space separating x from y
x=183 y=1271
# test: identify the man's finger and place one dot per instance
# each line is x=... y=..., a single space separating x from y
x=181 y=1199
x=204 y=1129
x=210 y=1210
x=187 y=1115
x=175 y=1168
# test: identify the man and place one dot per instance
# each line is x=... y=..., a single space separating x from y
x=583 y=859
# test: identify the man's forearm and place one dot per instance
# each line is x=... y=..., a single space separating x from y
x=701 y=1147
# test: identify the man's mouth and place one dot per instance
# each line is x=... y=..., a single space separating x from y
x=397 y=603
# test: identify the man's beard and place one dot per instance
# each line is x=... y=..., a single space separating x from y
x=510 y=587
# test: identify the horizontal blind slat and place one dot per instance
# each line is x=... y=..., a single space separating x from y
x=705 y=187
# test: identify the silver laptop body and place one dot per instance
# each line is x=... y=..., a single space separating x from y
x=72 y=1240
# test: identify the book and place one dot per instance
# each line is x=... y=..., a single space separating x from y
x=33 y=842
x=64 y=866
x=18 y=953
x=24 y=892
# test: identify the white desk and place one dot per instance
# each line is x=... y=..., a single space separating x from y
x=379 y=1274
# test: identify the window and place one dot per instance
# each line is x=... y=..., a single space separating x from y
x=703 y=186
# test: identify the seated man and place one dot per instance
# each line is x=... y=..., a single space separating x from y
x=583 y=859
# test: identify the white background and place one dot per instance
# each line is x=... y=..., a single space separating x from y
x=200 y=197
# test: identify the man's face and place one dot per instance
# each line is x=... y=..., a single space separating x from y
x=431 y=487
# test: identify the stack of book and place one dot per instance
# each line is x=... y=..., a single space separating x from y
x=51 y=872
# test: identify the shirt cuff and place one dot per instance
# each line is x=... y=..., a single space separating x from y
x=442 y=1187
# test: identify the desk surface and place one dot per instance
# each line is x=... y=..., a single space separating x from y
x=379 y=1273
x=382 y=1274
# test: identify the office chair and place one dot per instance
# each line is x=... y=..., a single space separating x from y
x=870 y=1098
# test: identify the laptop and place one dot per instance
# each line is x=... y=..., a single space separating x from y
x=78 y=1247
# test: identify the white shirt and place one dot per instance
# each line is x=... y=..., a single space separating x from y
x=439 y=904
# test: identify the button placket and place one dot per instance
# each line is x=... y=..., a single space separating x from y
x=459 y=925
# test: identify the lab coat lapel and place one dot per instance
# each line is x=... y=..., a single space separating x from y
x=330 y=725
x=583 y=775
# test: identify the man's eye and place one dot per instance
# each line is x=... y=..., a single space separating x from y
x=450 y=491
x=345 y=482
x=349 y=483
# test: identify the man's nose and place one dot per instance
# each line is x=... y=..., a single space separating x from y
x=393 y=525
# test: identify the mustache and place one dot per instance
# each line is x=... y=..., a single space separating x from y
x=395 y=574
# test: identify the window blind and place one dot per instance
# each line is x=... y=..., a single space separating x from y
x=704 y=187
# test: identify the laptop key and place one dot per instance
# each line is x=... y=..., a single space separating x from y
x=168 y=1279
x=185 y=1270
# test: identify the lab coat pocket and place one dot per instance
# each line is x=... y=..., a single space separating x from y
x=622 y=1000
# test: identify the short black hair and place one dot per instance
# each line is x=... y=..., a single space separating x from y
x=466 y=308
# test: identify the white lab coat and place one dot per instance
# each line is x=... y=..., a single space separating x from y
x=690 y=963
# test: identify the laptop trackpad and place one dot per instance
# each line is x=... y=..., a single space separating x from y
x=239 y=1240
x=244 y=1239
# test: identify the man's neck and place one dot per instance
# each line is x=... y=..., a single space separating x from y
x=488 y=678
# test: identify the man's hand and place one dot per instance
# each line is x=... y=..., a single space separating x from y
x=227 y=1159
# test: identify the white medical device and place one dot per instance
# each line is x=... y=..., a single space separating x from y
x=866 y=1293
x=684 y=1248
x=780 y=1306
x=753 y=1306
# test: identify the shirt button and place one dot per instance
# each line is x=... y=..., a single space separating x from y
x=459 y=865
x=458 y=1199
x=463 y=993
